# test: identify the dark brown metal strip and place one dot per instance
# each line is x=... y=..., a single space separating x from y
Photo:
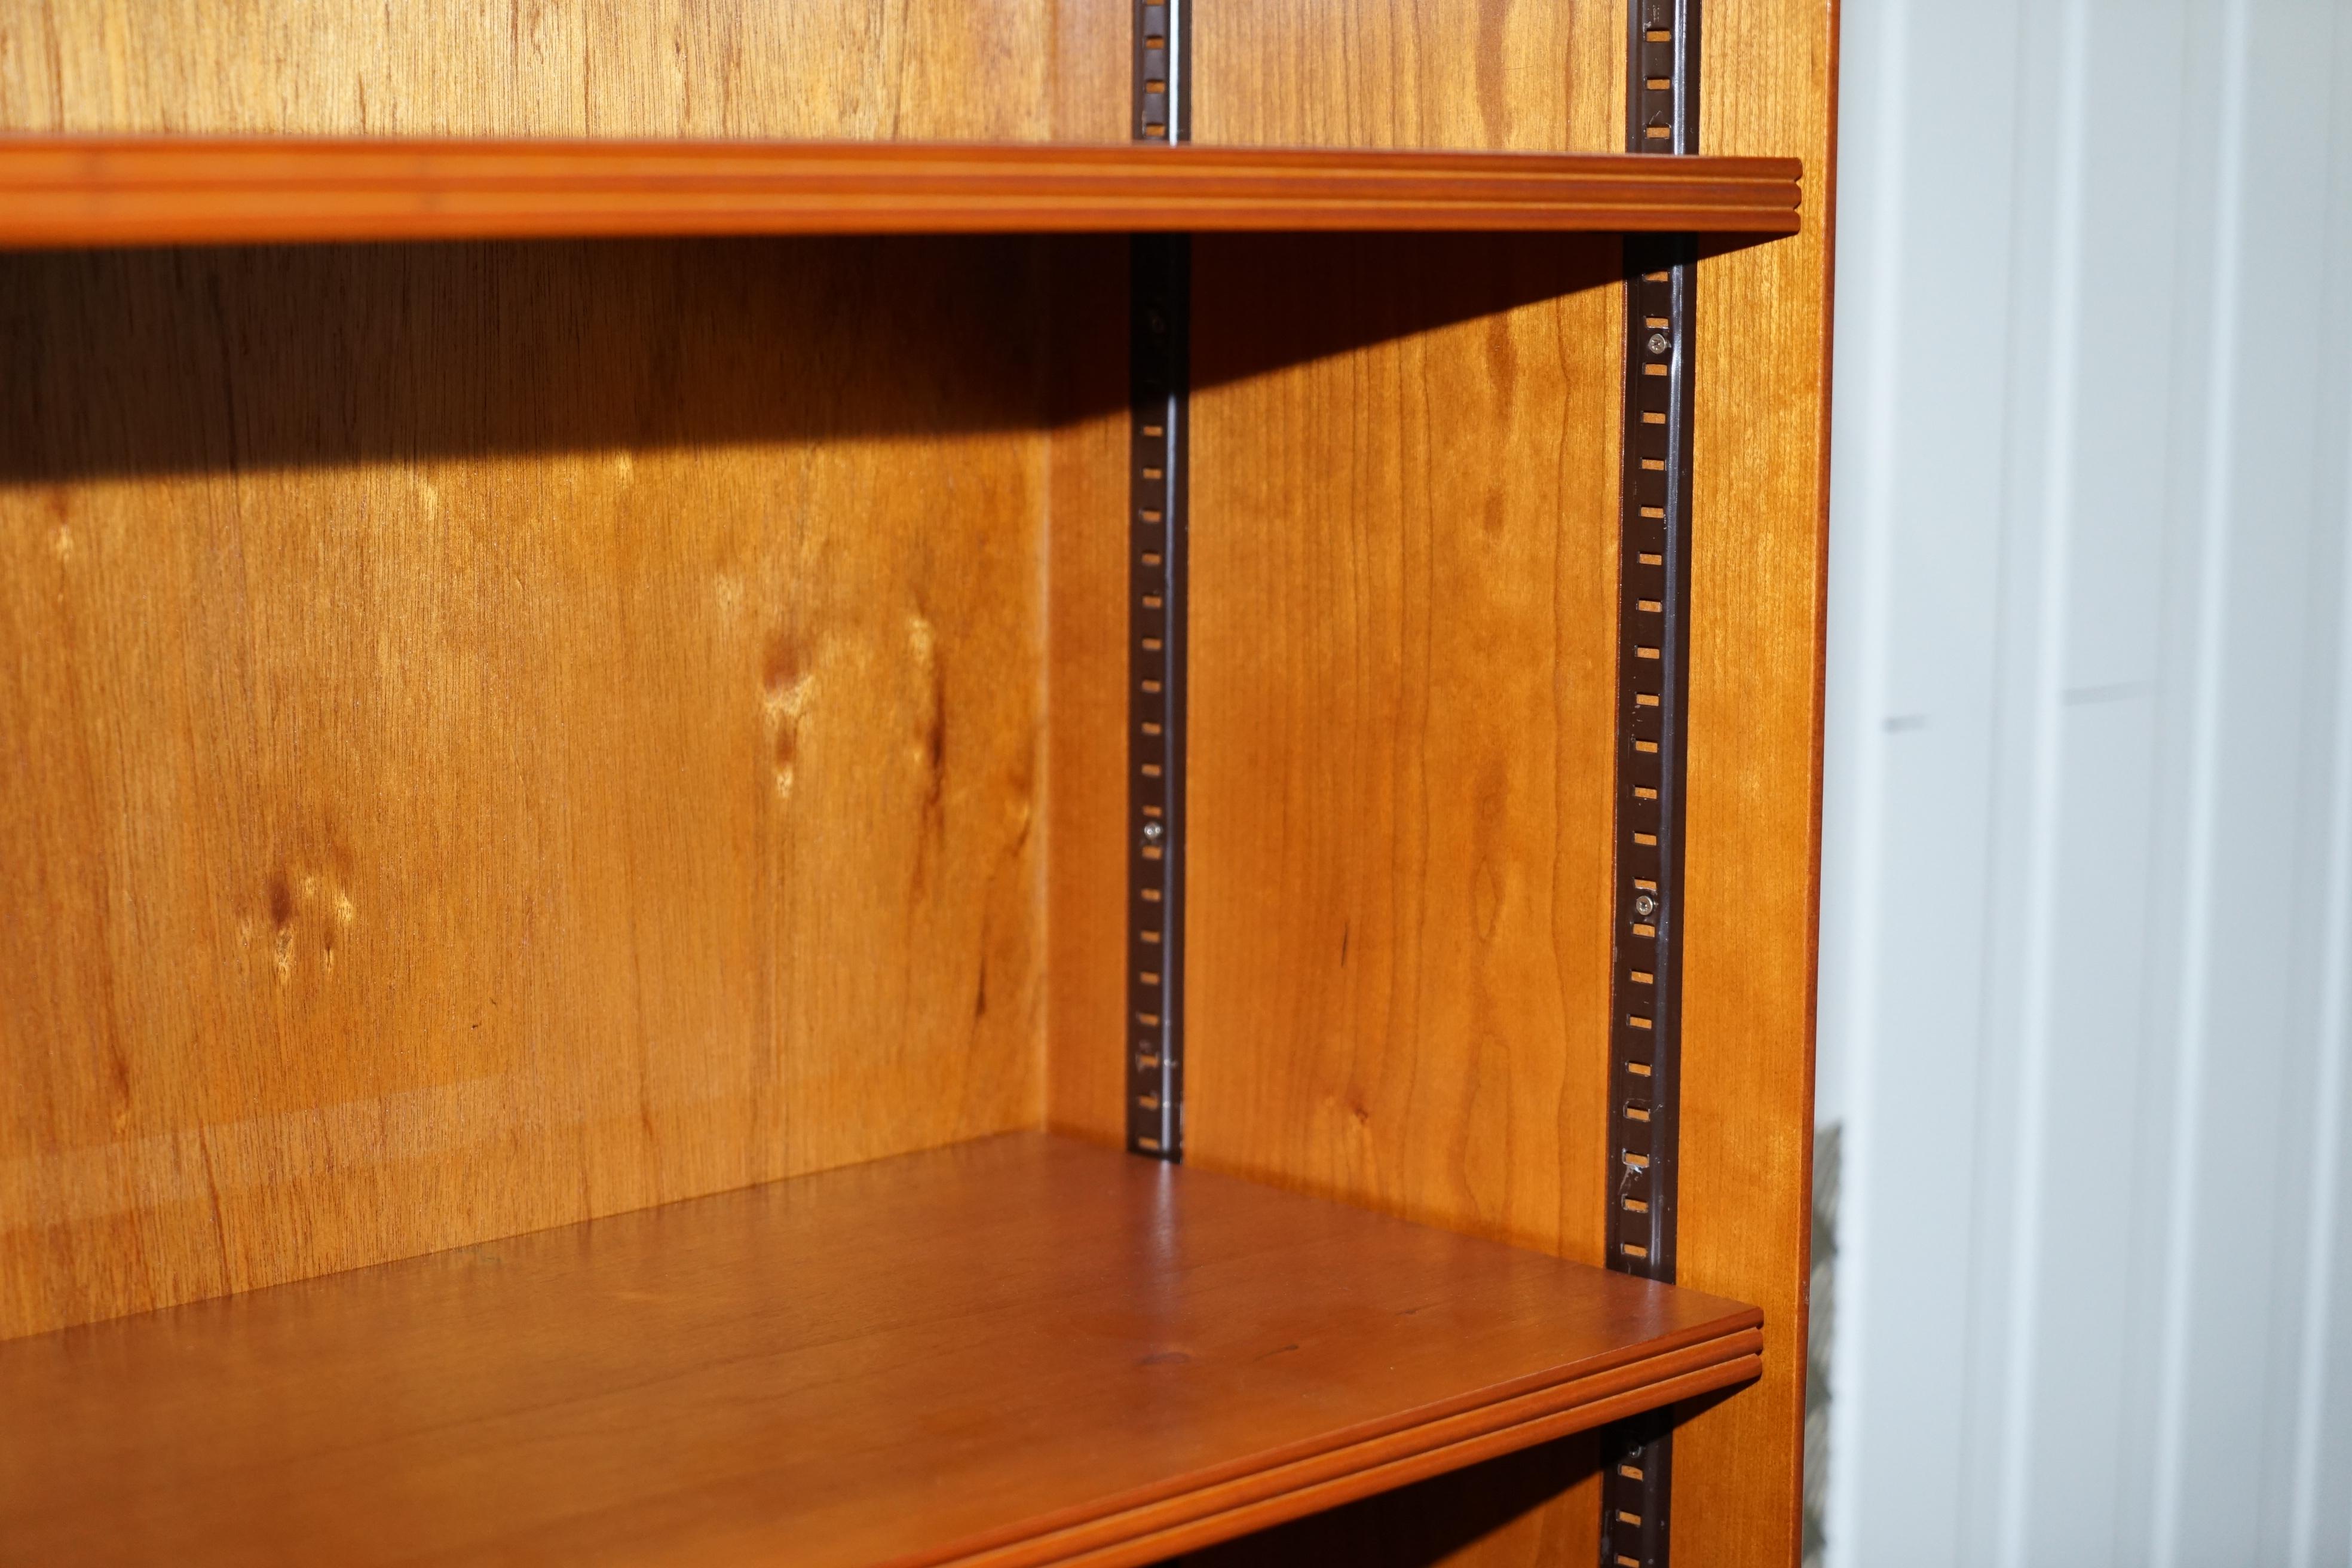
x=1652 y=694
x=1159 y=293
x=1160 y=276
x=1652 y=683
x=1661 y=70
x=1163 y=87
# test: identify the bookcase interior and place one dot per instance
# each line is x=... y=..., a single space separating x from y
x=502 y=733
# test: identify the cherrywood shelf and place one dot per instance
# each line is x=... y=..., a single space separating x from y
x=68 y=191
x=1022 y=1351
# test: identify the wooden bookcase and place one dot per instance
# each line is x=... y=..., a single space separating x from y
x=567 y=589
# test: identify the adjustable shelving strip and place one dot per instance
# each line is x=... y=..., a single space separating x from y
x=1159 y=290
x=1653 y=692
x=1163 y=82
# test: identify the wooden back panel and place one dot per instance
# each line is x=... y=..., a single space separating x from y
x=1524 y=75
x=497 y=735
x=982 y=70
x=1405 y=552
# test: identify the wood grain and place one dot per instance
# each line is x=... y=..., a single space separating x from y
x=421 y=619
x=1088 y=579
x=1521 y=1508
x=860 y=68
x=172 y=191
x=1531 y=75
x=1363 y=691
x=1404 y=555
x=1092 y=76
x=1022 y=1351
x=1752 y=887
x=1403 y=548
x=500 y=735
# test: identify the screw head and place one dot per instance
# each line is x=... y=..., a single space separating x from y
x=1153 y=833
x=1645 y=905
x=1658 y=343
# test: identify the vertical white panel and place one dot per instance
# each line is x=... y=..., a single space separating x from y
x=2308 y=1515
x=2239 y=1043
x=2084 y=1020
x=2314 y=1508
x=2203 y=327
x=2088 y=964
x=2037 y=839
x=1928 y=434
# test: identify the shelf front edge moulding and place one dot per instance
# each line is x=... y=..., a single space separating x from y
x=1018 y=1351
x=58 y=191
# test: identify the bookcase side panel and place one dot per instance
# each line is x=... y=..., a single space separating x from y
x=1750 y=900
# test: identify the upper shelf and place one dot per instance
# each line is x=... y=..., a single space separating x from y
x=1015 y=1352
x=96 y=191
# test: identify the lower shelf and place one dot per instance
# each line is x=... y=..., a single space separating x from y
x=1022 y=1351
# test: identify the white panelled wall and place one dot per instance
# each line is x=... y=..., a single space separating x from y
x=2087 y=960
